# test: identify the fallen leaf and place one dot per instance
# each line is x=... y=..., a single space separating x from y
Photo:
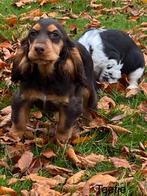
x=99 y=179
x=126 y=109
x=70 y=187
x=31 y=15
x=125 y=180
x=90 y=160
x=118 y=117
x=72 y=28
x=113 y=138
x=42 y=190
x=25 y=161
x=2 y=64
x=72 y=155
x=21 y=3
x=42 y=180
x=143 y=86
x=5 y=120
x=48 y=153
x=117 y=162
x=76 y=177
x=106 y=103
x=94 y=5
x=5 y=191
x=54 y=170
x=143 y=187
x=25 y=193
x=6 y=44
x=12 y=20
x=80 y=139
x=118 y=129
x=132 y=92
x=12 y=181
x=59 y=179
x=143 y=107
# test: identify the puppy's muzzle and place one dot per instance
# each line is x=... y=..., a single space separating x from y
x=39 y=49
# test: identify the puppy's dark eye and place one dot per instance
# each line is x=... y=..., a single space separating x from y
x=33 y=33
x=54 y=36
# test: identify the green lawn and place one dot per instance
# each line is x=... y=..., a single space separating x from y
x=131 y=122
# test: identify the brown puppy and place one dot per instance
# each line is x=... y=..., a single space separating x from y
x=54 y=73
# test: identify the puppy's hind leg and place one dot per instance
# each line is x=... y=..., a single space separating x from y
x=134 y=77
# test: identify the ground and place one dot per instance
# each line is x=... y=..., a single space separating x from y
x=117 y=130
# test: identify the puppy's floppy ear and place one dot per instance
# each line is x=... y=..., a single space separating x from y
x=20 y=62
x=76 y=58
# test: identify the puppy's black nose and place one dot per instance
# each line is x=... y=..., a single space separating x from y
x=39 y=50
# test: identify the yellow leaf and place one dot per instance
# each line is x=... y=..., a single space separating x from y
x=75 y=178
x=118 y=129
x=5 y=191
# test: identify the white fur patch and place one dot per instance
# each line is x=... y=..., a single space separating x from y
x=104 y=67
x=134 y=77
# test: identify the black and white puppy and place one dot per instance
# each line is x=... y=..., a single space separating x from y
x=114 y=53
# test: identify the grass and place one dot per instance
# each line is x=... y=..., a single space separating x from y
x=131 y=122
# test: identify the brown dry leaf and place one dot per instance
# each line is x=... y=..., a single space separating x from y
x=94 y=23
x=12 y=20
x=106 y=103
x=132 y=92
x=118 y=117
x=4 y=164
x=5 y=191
x=113 y=138
x=24 y=193
x=143 y=107
x=76 y=177
x=39 y=142
x=73 y=28
x=59 y=179
x=99 y=179
x=31 y=15
x=125 y=180
x=51 y=14
x=42 y=2
x=7 y=54
x=72 y=155
x=117 y=162
x=5 y=110
x=126 y=109
x=42 y=180
x=80 y=140
x=2 y=64
x=143 y=187
x=6 y=44
x=54 y=170
x=90 y=160
x=143 y=86
x=42 y=190
x=21 y=3
x=70 y=187
x=12 y=181
x=140 y=152
x=118 y=129
x=48 y=153
x=5 y=120
x=25 y=161
x=94 y=5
